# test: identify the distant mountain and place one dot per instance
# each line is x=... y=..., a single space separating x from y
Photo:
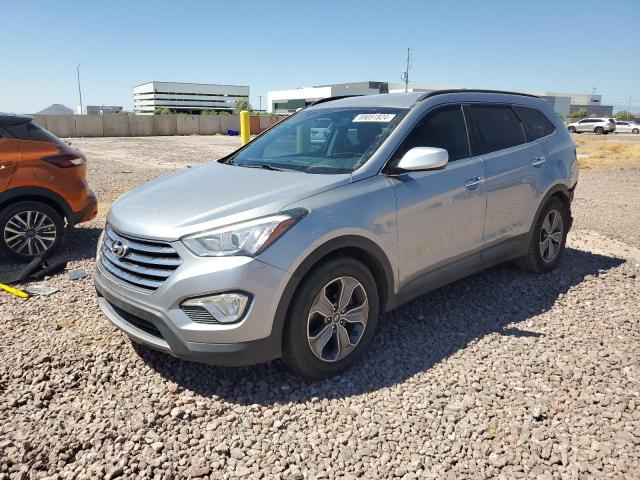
x=56 y=109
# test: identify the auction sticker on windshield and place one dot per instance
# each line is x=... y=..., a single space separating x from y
x=374 y=117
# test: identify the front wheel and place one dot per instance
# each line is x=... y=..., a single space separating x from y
x=549 y=236
x=635 y=131
x=29 y=229
x=332 y=319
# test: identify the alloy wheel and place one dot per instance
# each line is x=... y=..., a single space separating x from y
x=337 y=319
x=551 y=236
x=30 y=233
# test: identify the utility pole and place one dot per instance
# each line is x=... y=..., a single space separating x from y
x=405 y=74
x=260 y=107
x=79 y=89
x=629 y=104
x=594 y=90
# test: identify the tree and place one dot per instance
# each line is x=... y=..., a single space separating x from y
x=161 y=111
x=579 y=113
x=208 y=112
x=625 y=115
x=242 y=104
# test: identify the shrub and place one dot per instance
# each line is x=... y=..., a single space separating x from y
x=242 y=104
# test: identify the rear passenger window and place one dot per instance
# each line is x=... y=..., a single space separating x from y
x=32 y=131
x=536 y=124
x=443 y=128
x=498 y=127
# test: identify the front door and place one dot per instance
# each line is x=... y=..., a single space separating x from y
x=440 y=212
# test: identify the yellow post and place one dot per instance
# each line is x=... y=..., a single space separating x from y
x=245 y=127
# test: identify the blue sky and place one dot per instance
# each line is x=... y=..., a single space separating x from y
x=269 y=45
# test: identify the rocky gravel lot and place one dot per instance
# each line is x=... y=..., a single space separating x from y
x=505 y=374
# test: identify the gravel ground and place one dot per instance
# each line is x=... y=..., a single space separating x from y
x=531 y=376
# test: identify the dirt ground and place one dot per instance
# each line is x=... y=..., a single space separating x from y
x=504 y=374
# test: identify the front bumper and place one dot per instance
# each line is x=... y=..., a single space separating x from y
x=155 y=319
x=88 y=212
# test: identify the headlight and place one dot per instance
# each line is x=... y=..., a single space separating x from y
x=246 y=238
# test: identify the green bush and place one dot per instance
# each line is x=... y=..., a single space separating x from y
x=162 y=111
x=625 y=115
x=579 y=113
x=242 y=104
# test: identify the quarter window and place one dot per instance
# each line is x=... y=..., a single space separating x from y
x=445 y=128
x=536 y=124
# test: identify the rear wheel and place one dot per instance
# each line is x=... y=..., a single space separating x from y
x=572 y=129
x=548 y=239
x=598 y=131
x=332 y=319
x=29 y=229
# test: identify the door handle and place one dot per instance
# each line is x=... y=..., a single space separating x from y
x=536 y=162
x=473 y=182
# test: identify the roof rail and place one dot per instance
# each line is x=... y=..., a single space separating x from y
x=331 y=99
x=472 y=90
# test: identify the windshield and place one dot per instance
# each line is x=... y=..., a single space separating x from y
x=324 y=140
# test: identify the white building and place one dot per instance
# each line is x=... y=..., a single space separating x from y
x=98 y=110
x=288 y=101
x=186 y=97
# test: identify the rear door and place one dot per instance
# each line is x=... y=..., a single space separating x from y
x=440 y=212
x=511 y=167
x=9 y=156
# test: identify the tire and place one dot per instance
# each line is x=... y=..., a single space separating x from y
x=635 y=131
x=598 y=131
x=303 y=325
x=535 y=260
x=37 y=215
x=572 y=129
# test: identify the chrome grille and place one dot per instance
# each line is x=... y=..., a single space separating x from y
x=198 y=314
x=145 y=264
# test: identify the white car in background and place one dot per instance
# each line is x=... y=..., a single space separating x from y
x=627 y=126
x=598 y=126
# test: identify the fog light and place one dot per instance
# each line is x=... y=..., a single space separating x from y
x=224 y=307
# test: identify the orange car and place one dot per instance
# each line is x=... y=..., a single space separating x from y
x=43 y=189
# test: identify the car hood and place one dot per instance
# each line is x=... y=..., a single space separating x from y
x=209 y=196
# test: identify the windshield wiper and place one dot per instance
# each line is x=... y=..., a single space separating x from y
x=264 y=166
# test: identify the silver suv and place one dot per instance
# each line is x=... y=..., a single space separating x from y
x=599 y=126
x=292 y=247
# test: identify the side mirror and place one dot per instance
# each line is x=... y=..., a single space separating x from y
x=424 y=158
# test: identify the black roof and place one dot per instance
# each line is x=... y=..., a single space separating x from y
x=14 y=118
x=405 y=100
x=474 y=90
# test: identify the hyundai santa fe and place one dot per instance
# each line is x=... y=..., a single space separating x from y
x=292 y=246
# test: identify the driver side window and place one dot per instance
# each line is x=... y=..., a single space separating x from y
x=442 y=128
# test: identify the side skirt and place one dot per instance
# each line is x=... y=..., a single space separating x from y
x=501 y=252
